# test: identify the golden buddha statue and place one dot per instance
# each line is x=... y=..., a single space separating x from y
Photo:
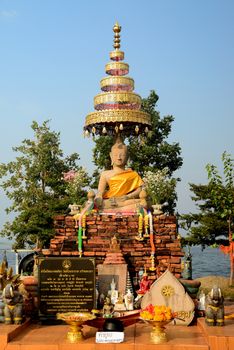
x=119 y=188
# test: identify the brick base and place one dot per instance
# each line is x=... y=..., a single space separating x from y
x=101 y=228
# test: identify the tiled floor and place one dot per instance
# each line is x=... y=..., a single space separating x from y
x=32 y=336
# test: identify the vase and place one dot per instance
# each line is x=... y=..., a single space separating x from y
x=157 y=209
x=75 y=320
x=158 y=333
x=75 y=209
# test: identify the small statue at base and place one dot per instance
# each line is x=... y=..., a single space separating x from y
x=108 y=308
x=13 y=300
x=128 y=299
x=114 y=246
x=119 y=305
x=214 y=308
x=187 y=266
x=145 y=284
x=201 y=301
x=113 y=293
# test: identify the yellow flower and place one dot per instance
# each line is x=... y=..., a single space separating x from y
x=157 y=313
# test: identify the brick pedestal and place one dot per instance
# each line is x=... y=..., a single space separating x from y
x=101 y=228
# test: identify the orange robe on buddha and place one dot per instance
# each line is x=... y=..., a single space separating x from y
x=123 y=183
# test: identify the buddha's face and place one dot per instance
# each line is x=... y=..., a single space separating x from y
x=119 y=155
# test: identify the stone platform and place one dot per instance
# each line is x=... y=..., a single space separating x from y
x=137 y=337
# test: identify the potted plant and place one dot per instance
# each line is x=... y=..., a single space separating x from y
x=161 y=189
x=76 y=181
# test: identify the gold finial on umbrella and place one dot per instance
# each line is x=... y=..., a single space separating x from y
x=116 y=30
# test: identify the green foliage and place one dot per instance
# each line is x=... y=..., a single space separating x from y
x=155 y=152
x=101 y=152
x=76 y=184
x=214 y=220
x=34 y=184
x=150 y=154
x=222 y=190
x=160 y=187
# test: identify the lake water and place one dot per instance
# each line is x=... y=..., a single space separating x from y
x=210 y=261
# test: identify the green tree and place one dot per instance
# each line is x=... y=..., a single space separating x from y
x=204 y=227
x=213 y=224
x=222 y=194
x=154 y=153
x=34 y=184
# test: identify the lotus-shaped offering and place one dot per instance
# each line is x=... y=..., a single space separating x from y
x=75 y=321
x=158 y=317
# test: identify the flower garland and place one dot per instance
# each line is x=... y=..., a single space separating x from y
x=83 y=226
x=139 y=237
x=147 y=220
x=80 y=223
x=151 y=235
x=157 y=313
x=146 y=224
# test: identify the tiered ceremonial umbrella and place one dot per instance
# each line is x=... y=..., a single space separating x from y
x=117 y=108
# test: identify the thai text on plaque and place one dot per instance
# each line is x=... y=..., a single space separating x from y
x=66 y=284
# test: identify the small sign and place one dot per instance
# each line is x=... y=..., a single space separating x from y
x=109 y=337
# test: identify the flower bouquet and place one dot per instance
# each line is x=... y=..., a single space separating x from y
x=157 y=316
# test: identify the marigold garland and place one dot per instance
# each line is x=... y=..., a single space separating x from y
x=157 y=313
x=84 y=221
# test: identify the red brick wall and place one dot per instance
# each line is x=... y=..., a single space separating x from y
x=101 y=228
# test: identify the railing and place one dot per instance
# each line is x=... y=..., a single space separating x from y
x=18 y=256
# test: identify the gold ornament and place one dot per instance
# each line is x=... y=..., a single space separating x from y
x=121 y=67
x=117 y=30
x=122 y=97
x=117 y=104
x=117 y=55
x=119 y=81
x=118 y=115
x=167 y=291
x=87 y=133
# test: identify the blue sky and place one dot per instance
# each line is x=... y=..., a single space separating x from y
x=53 y=55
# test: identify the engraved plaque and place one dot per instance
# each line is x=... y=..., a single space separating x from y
x=66 y=284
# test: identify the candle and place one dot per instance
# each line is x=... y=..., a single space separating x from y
x=151 y=233
x=80 y=239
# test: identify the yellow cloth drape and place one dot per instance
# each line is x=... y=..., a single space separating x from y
x=123 y=183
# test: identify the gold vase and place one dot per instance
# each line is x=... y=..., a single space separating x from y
x=75 y=334
x=157 y=209
x=158 y=333
x=75 y=320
